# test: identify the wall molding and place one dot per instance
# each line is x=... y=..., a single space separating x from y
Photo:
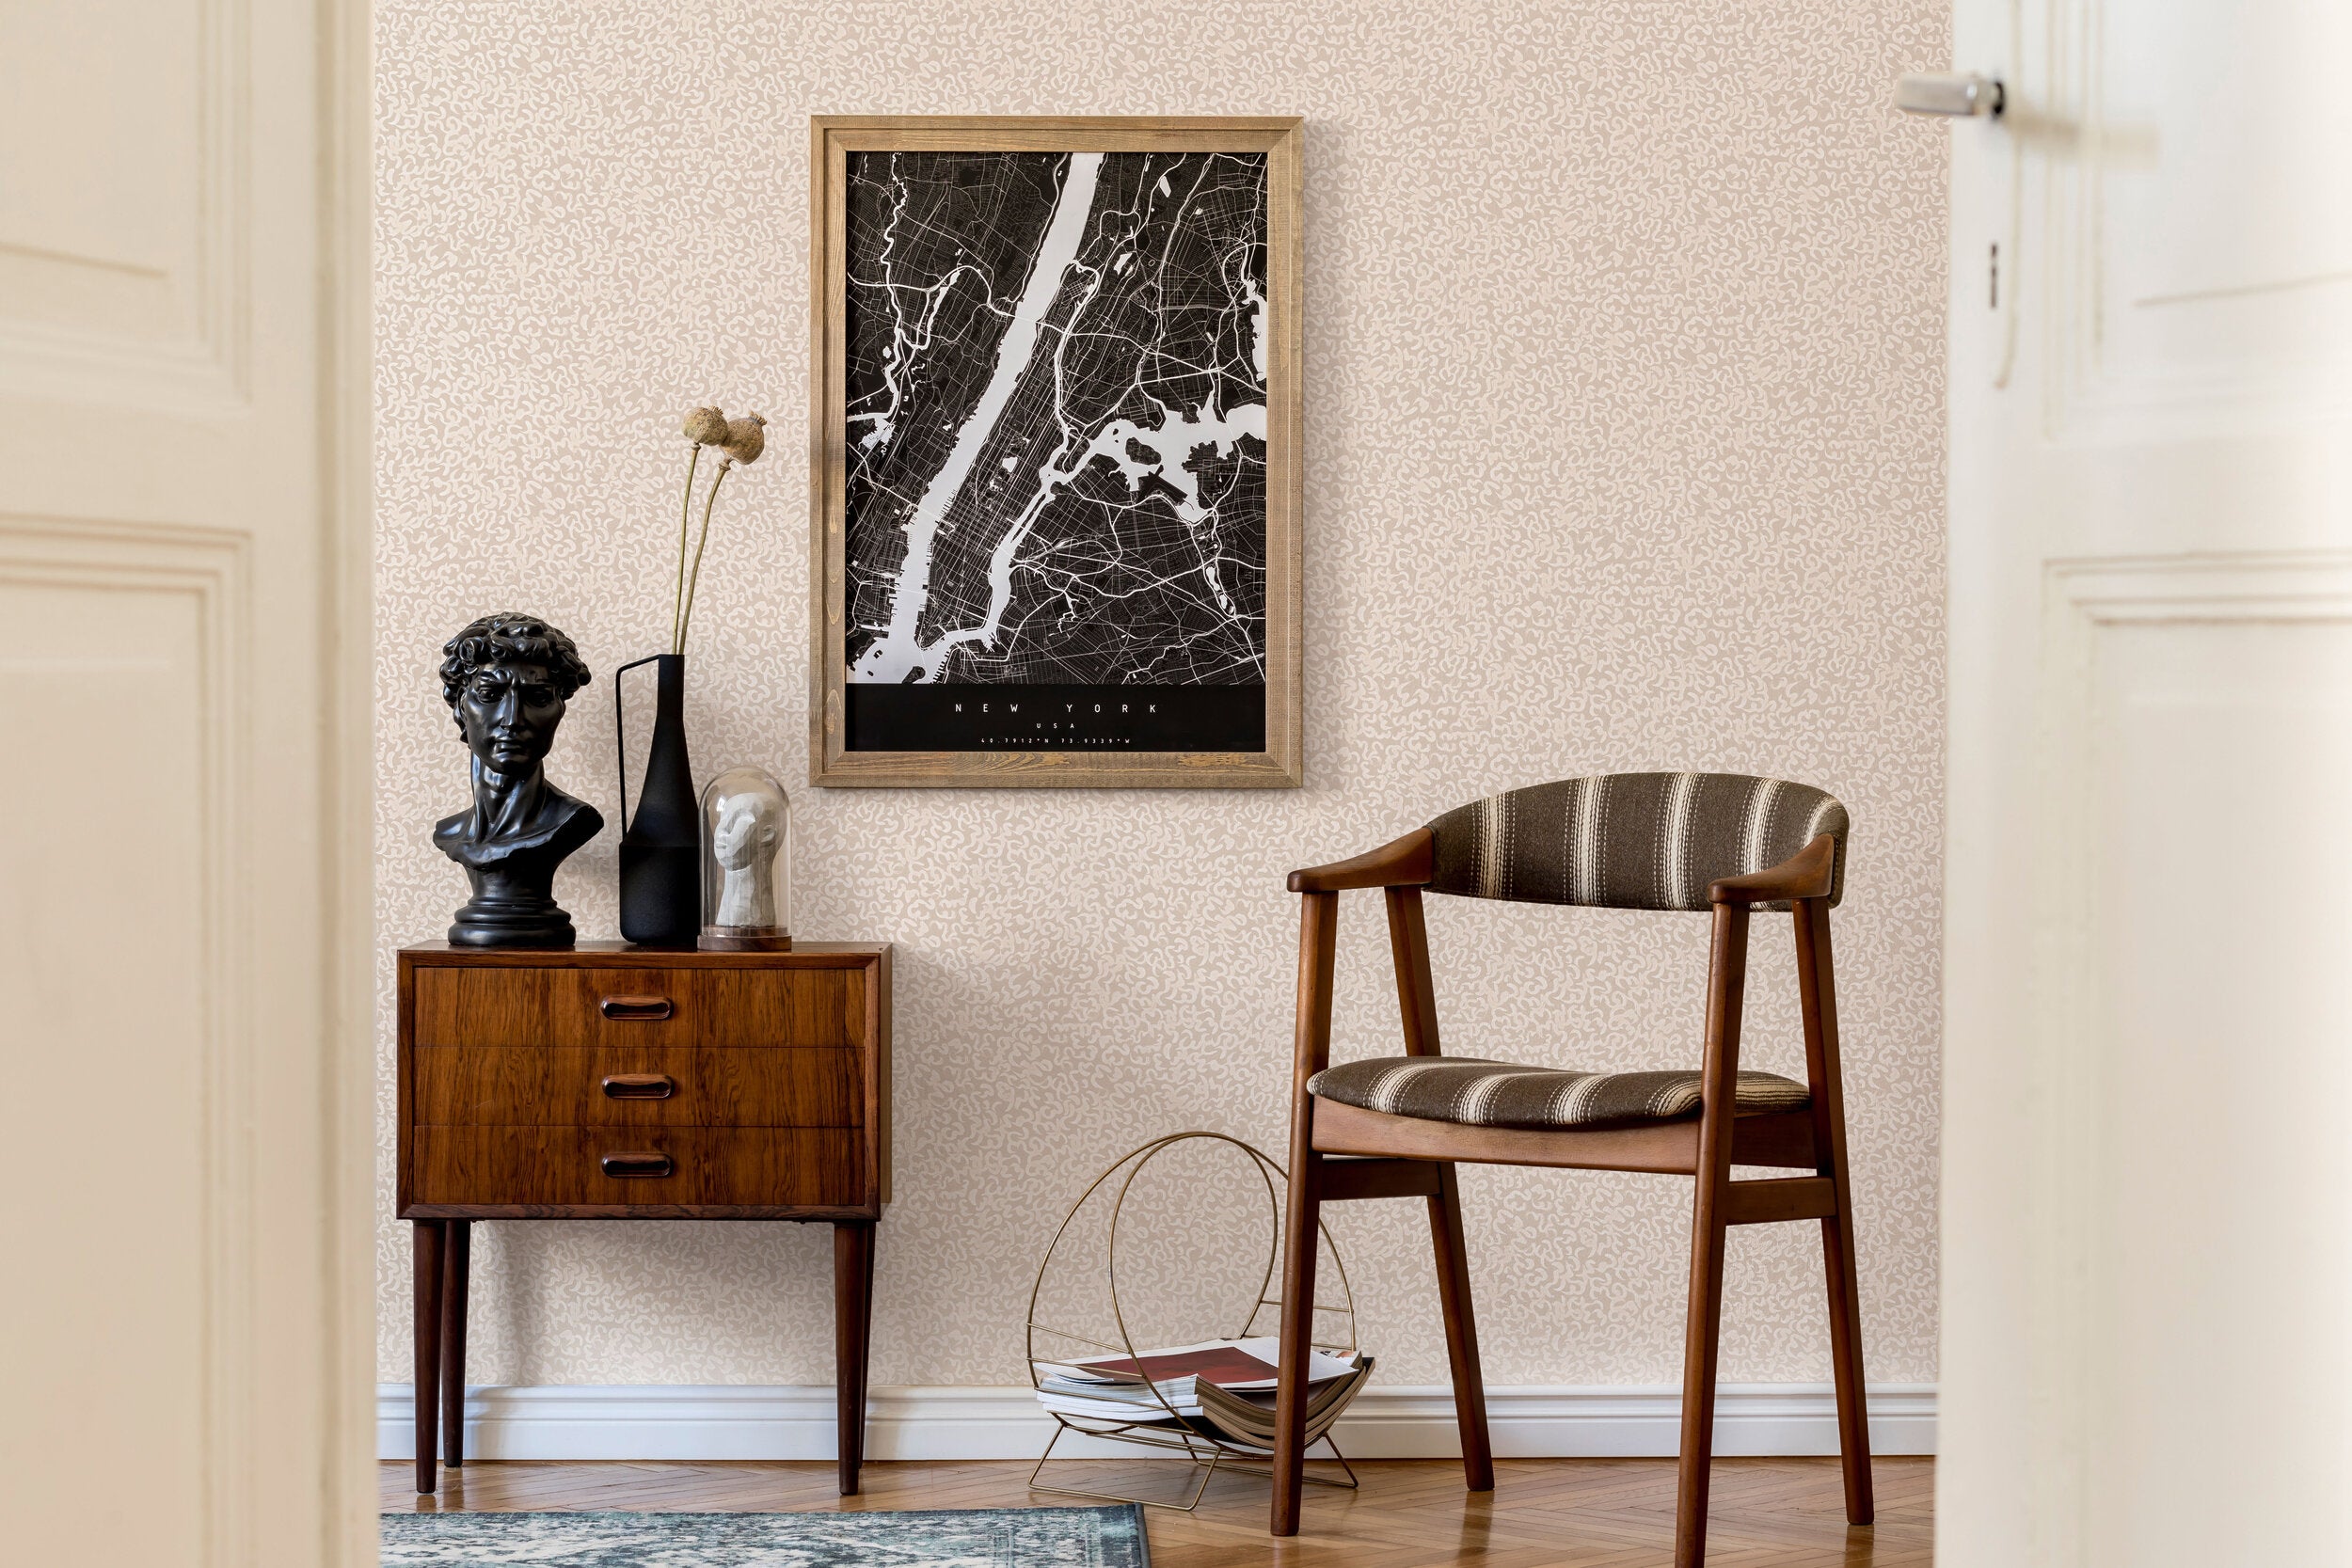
x=734 y=1422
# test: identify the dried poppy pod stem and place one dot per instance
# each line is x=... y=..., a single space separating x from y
x=695 y=577
x=746 y=439
x=704 y=427
x=685 y=511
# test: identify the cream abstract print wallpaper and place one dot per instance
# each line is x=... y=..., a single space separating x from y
x=1621 y=441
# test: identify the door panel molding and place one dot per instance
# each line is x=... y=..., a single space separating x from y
x=134 y=563
x=2086 y=599
x=198 y=356
x=2242 y=585
x=2241 y=340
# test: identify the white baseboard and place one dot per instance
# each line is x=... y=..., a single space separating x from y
x=716 y=1422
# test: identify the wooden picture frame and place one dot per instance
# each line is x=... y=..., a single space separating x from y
x=1110 y=763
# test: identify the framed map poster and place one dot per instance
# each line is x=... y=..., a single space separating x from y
x=1055 y=452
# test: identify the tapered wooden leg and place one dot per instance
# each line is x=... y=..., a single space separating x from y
x=852 y=1337
x=1461 y=1332
x=1817 y=991
x=1700 y=1337
x=1726 y=985
x=1299 y=1232
x=1318 y=934
x=865 y=1335
x=459 y=1248
x=430 y=1236
x=1845 y=1336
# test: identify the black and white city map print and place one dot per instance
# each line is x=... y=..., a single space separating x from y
x=1056 y=423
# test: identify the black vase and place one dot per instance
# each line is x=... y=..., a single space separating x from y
x=662 y=895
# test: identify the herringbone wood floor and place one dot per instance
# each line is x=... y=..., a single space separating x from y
x=1410 y=1513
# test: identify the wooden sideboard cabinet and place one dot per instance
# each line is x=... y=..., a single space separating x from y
x=619 y=1083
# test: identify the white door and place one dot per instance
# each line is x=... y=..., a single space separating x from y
x=183 y=828
x=2148 y=1052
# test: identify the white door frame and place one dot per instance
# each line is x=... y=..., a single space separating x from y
x=185 y=537
x=2151 y=729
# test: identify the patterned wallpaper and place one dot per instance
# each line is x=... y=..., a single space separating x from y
x=1625 y=442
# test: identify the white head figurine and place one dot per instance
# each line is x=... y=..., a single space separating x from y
x=743 y=841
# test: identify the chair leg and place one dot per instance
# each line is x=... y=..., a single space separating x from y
x=1698 y=1376
x=1300 y=1231
x=1816 y=989
x=1461 y=1332
x=1845 y=1333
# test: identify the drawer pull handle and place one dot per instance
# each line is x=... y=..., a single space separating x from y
x=624 y=1165
x=634 y=1010
x=639 y=1086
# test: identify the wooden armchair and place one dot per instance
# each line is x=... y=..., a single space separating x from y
x=1395 y=1127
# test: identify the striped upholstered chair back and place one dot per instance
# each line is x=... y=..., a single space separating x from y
x=1631 y=840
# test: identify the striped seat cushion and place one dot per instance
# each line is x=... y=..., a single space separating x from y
x=1479 y=1093
x=1631 y=841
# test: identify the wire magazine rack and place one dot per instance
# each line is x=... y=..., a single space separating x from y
x=1159 y=1425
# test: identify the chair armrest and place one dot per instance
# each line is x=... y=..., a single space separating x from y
x=1807 y=873
x=1407 y=863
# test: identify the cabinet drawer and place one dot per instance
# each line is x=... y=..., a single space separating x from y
x=492 y=1006
x=499 y=1086
x=721 y=1166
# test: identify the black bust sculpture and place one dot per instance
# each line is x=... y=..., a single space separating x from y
x=506 y=679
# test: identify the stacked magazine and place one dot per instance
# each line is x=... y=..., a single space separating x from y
x=1224 y=1387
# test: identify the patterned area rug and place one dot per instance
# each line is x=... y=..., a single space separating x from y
x=957 y=1538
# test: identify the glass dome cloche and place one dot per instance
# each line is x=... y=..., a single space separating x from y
x=747 y=865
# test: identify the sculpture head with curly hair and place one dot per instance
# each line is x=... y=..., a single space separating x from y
x=510 y=642
x=506 y=678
